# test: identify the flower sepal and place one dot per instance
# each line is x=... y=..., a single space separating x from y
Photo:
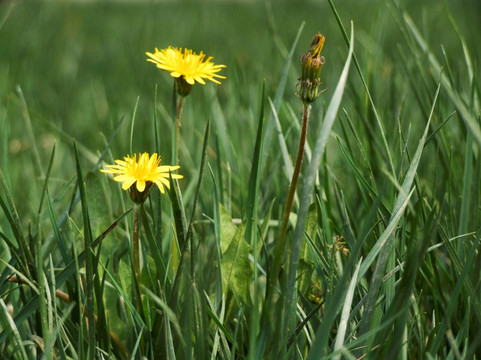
x=139 y=197
x=183 y=87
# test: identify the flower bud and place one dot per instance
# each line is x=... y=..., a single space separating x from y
x=312 y=64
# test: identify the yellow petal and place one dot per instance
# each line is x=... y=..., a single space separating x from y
x=140 y=185
x=127 y=184
x=160 y=186
x=193 y=67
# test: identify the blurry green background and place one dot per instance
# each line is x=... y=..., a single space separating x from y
x=81 y=66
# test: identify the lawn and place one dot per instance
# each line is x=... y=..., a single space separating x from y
x=372 y=252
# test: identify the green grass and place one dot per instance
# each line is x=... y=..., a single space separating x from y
x=382 y=254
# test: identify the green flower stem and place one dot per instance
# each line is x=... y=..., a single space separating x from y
x=290 y=199
x=178 y=113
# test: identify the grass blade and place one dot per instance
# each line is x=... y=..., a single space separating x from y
x=384 y=244
x=11 y=329
x=252 y=221
x=469 y=120
x=255 y=178
x=132 y=125
x=346 y=310
x=89 y=260
x=278 y=97
x=371 y=102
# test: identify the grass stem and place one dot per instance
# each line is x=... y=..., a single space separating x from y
x=136 y=256
x=135 y=242
x=178 y=114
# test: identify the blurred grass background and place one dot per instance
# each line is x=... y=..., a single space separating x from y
x=81 y=65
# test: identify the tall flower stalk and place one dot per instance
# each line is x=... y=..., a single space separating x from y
x=187 y=68
x=309 y=83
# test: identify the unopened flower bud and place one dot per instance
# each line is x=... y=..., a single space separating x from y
x=312 y=64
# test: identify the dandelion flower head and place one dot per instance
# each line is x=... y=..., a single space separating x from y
x=190 y=66
x=143 y=171
x=312 y=63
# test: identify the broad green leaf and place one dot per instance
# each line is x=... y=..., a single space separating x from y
x=125 y=276
x=306 y=259
x=237 y=269
x=99 y=207
x=227 y=229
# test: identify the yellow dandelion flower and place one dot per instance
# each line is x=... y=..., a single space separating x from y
x=143 y=171
x=188 y=65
